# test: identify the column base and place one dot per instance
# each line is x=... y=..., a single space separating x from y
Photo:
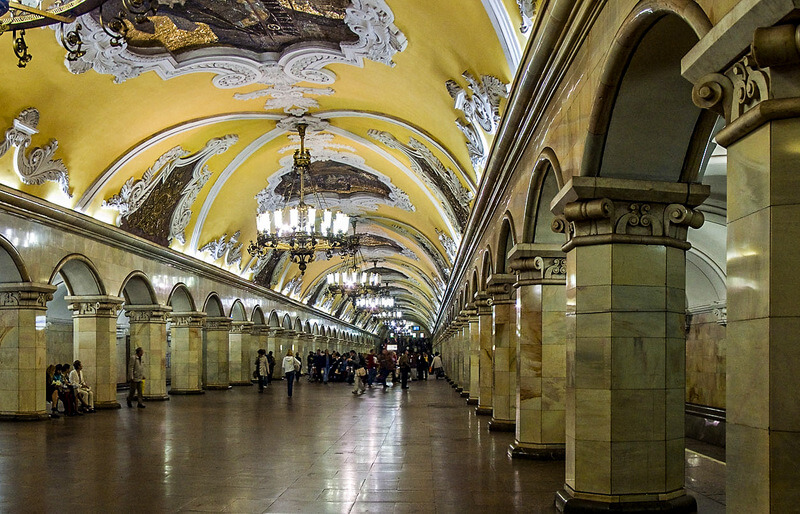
x=471 y=401
x=567 y=504
x=219 y=387
x=156 y=398
x=464 y=394
x=537 y=452
x=459 y=389
x=502 y=425
x=484 y=411
x=107 y=405
x=242 y=383
x=25 y=416
x=186 y=391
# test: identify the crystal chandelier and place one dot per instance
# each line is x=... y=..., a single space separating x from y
x=353 y=282
x=303 y=230
x=375 y=302
x=386 y=315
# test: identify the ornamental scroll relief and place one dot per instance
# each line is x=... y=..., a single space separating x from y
x=37 y=166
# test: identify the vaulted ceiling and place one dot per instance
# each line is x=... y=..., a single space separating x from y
x=186 y=129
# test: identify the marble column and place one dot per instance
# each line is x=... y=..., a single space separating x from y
x=483 y=304
x=274 y=342
x=541 y=354
x=216 y=357
x=23 y=350
x=241 y=368
x=472 y=357
x=457 y=352
x=186 y=331
x=626 y=243
x=94 y=328
x=149 y=331
x=759 y=97
x=504 y=362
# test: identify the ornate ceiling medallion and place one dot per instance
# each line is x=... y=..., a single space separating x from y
x=37 y=166
x=166 y=192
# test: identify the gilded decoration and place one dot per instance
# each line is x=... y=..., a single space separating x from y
x=256 y=25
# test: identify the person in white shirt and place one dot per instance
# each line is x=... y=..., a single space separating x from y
x=290 y=366
x=82 y=390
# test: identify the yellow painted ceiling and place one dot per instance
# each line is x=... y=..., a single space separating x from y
x=111 y=131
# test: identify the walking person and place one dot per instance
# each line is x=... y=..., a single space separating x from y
x=360 y=382
x=405 y=369
x=262 y=370
x=290 y=367
x=422 y=366
x=372 y=367
x=136 y=379
x=436 y=366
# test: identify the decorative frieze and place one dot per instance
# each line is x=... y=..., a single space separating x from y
x=147 y=313
x=187 y=319
x=501 y=288
x=241 y=327
x=218 y=324
x=25 y=295
x=539 y=263
x=230 y=249
x=595 y=210
x=37 y=166
x=94 y=306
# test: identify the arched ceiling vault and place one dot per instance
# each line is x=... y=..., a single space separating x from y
x=182 y=133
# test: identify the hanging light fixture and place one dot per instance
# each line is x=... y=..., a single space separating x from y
x=353 y=282
x=387 y=315
x=303 y=230
x=17 y=16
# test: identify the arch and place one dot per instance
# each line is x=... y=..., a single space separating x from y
x=298 y=325
x=315 y=329
x=643 y=98
x=274 y=320
x=257 y=316
x=486 y=268
x=328 y=331
x=475 y=283
x=307 y=328
x=334 y=333
x=137 y=290
x=238 y=312
x=12 y=267
x=287 y=322
x=180 y=299
x=80 y=276
x=213 y=306
x=545 y=186
x=505 y=242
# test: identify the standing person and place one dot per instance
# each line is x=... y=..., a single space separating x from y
x=422 y=366
x=360 y=382
x=135 y=379
x=372 y=367
x=271 y=362
x=82 y=389
x=262 y=370
x=405 y=369
x=290 y=365
x=436 y=366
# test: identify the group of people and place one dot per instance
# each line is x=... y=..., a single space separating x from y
x=70 y=388
x=360 y=370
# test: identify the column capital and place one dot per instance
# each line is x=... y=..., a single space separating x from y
x=218 y=324
x=147 y=313
x=94 y=306
x=501 y=287
x=241 y=327
x=758 y=88
x=599 y=210
x=538 y=264
x=25 y=295
x=483 y=304
x=192 y=319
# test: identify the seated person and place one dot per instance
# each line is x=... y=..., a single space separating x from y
x=52 y=391
x=80 y=388
x=67 y=394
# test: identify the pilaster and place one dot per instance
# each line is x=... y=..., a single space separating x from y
x=504 y=361
x=23 y=350
x=483 y=305
x=625 y=341
x=149 y=331
x=242 y=355
x=186 y=331
x=94 y=325
x=541 y=354
x=216 y=358
x=759 y=96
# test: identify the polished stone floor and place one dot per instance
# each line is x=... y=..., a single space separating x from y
x=324 y=450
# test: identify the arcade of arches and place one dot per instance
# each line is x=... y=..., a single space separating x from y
x=601 y=247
